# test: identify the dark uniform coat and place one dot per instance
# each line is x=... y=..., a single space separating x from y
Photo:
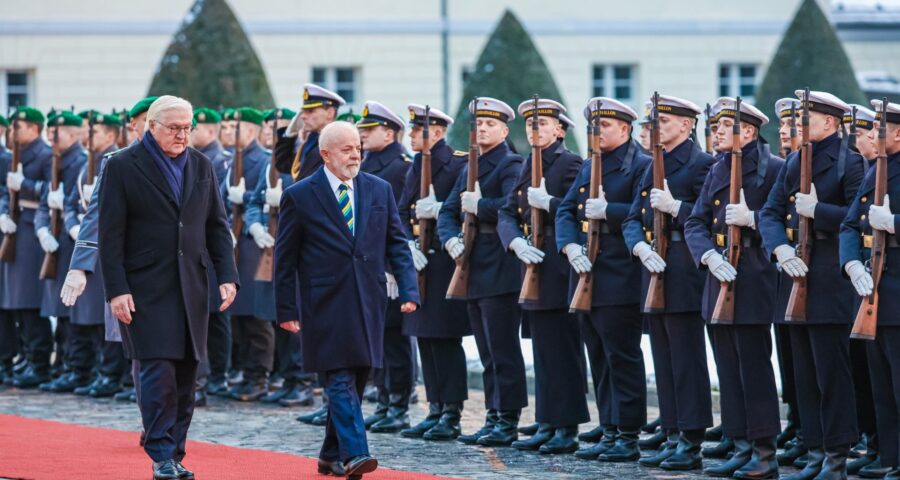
x=221 y=162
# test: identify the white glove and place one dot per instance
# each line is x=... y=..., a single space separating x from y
x=595 y=208
x=14 y=180
x=7 y=226
x=419 y=258
x=48 y=243
x=261 y=236
x=428 y=207
x=789 y=261
x=651 y=260
x=538 y=197
x=273 y=195
x=739 y=214
x=718 y=266
x=393 y=291
x=88 y=190
x=236 y=194
x=528 y=254
x=293 y=128
x=454 y=247
x=73 y=287
x=859 y=277
x=806 y=203
x=55 y=198
x=74 y=231
x=880 y=217
x=664 y=201
x=579 y=261
x=233 y=238
x=470 y=200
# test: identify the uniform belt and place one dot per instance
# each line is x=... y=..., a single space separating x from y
x=890 y=242
x=674 y=236
x=549 y=231
x=487 y=228
x=793 y=234
x=29 y=204
x=586 y=226
x=747 y=241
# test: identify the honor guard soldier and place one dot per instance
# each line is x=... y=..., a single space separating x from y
x=676 y=330
x=20 y=289
x=266 y=137
x=864 y=219
x=742 y=342
x=320 y=107
x=556 y=340
x=227 y=130
x=257 y=335
x=863 y=120
x=439 y=324
x=612 y=328
x=820 y=339
x=9 y=339
x=494 y=281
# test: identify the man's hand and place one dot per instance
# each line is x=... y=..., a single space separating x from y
x=88 y=190
x=739 y=214
x=48 y=243
x=793 y=265
x=454 y=247
x=408 y=307
x=860 y=278
x=122 y=308
x=579 y=261
x=74 y=231
x=806 y=203
x=651 y=260
x=227 y=291
x=261 y=236
x=7 y=226
x=419 y=258
x=538 y=197
x=293 y=128
x=528 y=254
x=595 y=208
x=73 y=287
x=470 y=200
x=664 y=201
x=14 y=179
x=881 y=217
x=236 y=194
x=393 y=290
x=428 y=207
x=292 y=326
x=718 y=266
x=55 y=198
x=273 y=195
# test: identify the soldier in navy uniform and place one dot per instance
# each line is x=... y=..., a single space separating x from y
x=302 y=159
x=820 y=344
x=439 y=324
x=676 y=334
x=883 y=355
x=257 y=335
x=9 y=339
x=556 y=340
x=494 y=279
x=742 y=350
x=612 y=331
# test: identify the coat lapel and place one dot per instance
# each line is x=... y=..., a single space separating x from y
x=150 y=170
x=329 y=203
x=362 y=202
x=190 y=177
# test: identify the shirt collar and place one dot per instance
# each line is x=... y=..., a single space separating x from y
x=336 y=182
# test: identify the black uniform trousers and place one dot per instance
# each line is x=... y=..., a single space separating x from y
x=218 y=348
x=748 y=393
x=613 y=339
x=113 y=363
x=884 y=368
x=61 y=341
x=600 y=376
x=166 y=402
x=495 y=321
x=36 y=334
x=558 y=369
x=786 y=370
x=10 y=336
x=444 y=369
x=289 y=358
x=682 y=375
x=862 y=387
x=83 y=348
x=397 y=373
x=257 y=347
x=824 y=394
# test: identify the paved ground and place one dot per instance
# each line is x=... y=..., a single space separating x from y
x=274 y=428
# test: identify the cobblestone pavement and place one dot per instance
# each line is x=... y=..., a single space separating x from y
x=274 y=428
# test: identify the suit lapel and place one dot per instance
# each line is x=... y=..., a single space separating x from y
x=326 y=197
x=150 y=170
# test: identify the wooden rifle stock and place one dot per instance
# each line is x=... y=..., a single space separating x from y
x=267 y=259
x=237 y=174
x=459 y=283
x=531 y=282
x=581 y=300
x=723 y=312
x=795 y=140
x=48 y=266
x=8 y=246
x=656 y=293
x=796 y=307
x=708 y=133
x=426 y=225
x=91 y=163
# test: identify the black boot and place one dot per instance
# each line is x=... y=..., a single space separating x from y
x=720 y=450
x=687 y=455
x=432 y=419
x=543 y=435
x=653 y=442
x=490 y=420
x=381 y=408
x=606 y=442
x=743 y=450
x=762 y=463
x=277 y=395
x=666 y=451
x=714 y=434
x=862 y=446
x=530 y=429
x=447 y=427
x=625 y=449
x=652 y=426
x=835 y=465
x=105 y=387
x=792 y=451
x=874 y=470
x=308 y=418
x=32 y=377
x=505 y=431
x=250 y=391
x=565 y=440
x=893 y=474
x=67 y=383
x=815 y=458
x=855 y=466
x=397 y=417
x=591 y=436
x=789 y=432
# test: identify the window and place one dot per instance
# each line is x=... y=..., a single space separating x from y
x=738 y=79
x=615 y=81
x=15 y=89
x=341 y=80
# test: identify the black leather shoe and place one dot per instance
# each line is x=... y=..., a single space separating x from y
x=862 y=446
x=360 y=465
x=250 y=391
x=490 y=420
x=607 y=440
x=308 y=418
x=397 y=417
x=320 y=420
x=687 y=454
x=714 y=434
x=432 y=419
x=86 y=389
x=652 y=426
x=505 y=432
x=565 y=440
x=200 y=398
x=893 y=474
x=299 y=396
x=370 y=393
x=32 y=377
x=19 y=364
x=6 y=371
x=720 y=450
x=276 y=381
x=543 y=435
x=743 y=450
x=792 y=451
x=143 y=438
x=278 y=394
x=124 y=395
x=381 y=408
x=762 y=462
x=66 y=383
x=529 y=430
x=234 y=377
x=835 y=465
x=814 y=459
x=217 y=388
x=447 y=427
x=789 y=433
x=591 y=436
x=183 y=473
x=105 y=387
x=855 y=466
x=874 y=470
x=653 y=442
x=165 y=470
x=625 y=449
x=667 y=450
x=335 y=468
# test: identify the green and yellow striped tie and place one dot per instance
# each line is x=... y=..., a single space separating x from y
x=344 y=203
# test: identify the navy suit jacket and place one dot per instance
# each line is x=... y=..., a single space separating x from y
x=342 y=276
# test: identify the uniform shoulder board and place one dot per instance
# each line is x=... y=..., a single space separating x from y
x=460 y=153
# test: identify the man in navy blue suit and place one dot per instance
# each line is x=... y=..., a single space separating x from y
x=337 y=230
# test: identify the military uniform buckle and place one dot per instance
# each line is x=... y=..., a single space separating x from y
x=526 y=228
x=415 y=230
x=790 y=234
x=585 y=226
x=720 y=239
x=867 y=241
x=649 y=236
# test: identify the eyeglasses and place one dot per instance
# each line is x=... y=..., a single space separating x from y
x=175 y=130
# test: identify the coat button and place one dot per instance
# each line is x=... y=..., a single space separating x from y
x=181 y=253
x=643 y=210
x=580 y=206
x=412 y=206
x=180 y=225
x=520 y=193
x=519 y=209
x=581 y=190
x=863 y=199
x=791 y=198
x=715 y=221
x=412 y=222
x=789 y=216
x=717 y=202
x=644 y=193
x=862 y=217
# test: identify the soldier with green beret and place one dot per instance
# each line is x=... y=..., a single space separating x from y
x=227 y=129
x=284 y=116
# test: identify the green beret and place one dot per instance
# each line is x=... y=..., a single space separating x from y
x=249 y=114
x=285 y=113
x=206 y=115
x=87 y=113
x=105 y=119
x=227 y=114
x=349 y=117
x=31 y=115
x=66 y=119
x=51 y=116
x=141 y=106
x=3 y=121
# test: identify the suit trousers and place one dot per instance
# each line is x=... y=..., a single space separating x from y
x=167 y=405
x=345 y=431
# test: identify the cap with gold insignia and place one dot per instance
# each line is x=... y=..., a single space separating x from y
x=492 y=108
x=824 y=102
x=375 y=114
x=435 y=116
x=286 y=113
x=315 y=96
x=206 y=115
x=31 y=115
x=893 y=111
x=141 y=106
x=3 y=121
x=783 y=106
x=865 y=117
x=648 y=107
x=66 y=119
x=606 y=107
x=545 y=108
x=566 y=122
x=678 y=106
x=248 y=114
x=749 y=113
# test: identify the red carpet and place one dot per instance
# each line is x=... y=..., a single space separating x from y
x=41 y=449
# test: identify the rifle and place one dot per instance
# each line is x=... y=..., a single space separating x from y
x=91 y=164
x=796 y=307
x=708 y=132
x=531 y=282
x=794 y=140
x=237 y=174
x=459 y=283
x=723 y=313
x=122 y=137
x=48 y=267
x=267 y=259
x=581 y=300
x=656 y=292
x=426 y=225
x=851 y=141
x=8 y=246
x=866 y=322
